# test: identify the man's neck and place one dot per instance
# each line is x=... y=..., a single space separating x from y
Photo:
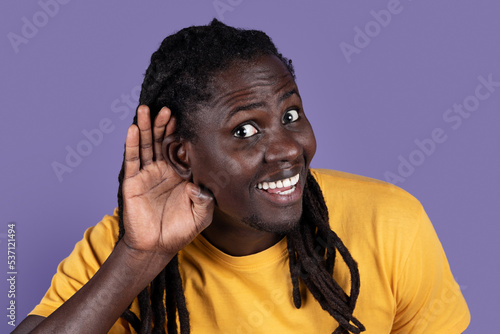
x=236 y=238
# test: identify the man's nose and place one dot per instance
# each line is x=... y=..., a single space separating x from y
x=282 y=147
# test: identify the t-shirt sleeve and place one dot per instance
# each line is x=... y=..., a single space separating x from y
x=428 y=299
x=79 y=267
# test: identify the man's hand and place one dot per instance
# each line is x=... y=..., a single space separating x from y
x=162 y=212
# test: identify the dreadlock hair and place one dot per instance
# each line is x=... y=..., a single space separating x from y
x=179 y=77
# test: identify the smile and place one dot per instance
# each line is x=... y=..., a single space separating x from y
x=281 y=187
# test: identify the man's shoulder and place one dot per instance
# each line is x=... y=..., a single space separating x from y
x=369 y=214
x=347 y=191
x=108 y=226
x=336 y=180
x=99 y=240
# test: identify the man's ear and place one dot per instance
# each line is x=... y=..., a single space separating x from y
x=176 y=154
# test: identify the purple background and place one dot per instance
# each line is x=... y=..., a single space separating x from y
x=84 y=60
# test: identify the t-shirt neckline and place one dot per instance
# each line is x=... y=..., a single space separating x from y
x=267 y=257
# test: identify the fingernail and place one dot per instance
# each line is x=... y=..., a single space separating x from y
x=200 y=194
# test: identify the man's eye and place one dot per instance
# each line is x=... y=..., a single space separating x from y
x=290 y=116
x=245 y=131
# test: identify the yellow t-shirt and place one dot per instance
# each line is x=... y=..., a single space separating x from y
x=406 y=282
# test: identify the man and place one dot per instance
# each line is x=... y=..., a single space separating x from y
x=222 y=227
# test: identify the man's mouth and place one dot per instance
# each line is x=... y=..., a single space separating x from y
x=281 y=187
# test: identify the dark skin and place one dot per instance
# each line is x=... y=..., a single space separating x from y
x=258 y=132
x=166 y=204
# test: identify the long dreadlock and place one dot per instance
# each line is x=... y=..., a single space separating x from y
x=179 y=77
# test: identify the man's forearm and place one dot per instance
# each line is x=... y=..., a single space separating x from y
x=100 y=302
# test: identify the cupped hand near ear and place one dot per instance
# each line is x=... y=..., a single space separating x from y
x=162 y=212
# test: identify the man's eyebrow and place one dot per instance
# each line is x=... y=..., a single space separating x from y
x=244 y=108
x=288 y=94
x=261 y=104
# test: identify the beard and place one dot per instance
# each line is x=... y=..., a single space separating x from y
x=282 y=227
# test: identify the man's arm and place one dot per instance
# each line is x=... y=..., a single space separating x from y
x=428 y=298
x=96 y=306
x=162 y=214
x=28 y=324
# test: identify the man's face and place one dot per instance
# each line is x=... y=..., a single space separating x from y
x=254 y=136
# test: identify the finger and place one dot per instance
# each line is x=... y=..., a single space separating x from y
x=171 y=127
x=159 y=131
x=146 y=137
x=203 y=206
x=132 y=163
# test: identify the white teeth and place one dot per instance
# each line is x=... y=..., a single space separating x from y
x=286 y=192
x=291 y=181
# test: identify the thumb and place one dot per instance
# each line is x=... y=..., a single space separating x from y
x=203 y=205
